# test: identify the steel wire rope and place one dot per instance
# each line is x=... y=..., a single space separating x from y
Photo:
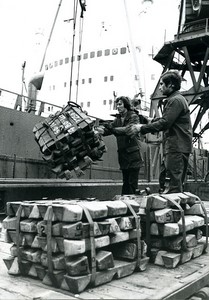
x=50 y=35
x=80 y=44
x=75 y=9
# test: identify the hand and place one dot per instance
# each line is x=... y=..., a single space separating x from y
x=133 y=130
x=100 y=129
x=108 y=126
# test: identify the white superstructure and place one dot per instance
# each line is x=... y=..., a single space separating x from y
x=113 y=47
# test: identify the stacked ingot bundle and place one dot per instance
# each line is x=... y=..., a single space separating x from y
x=74 y=244
x=69 y=142
x=176 y=227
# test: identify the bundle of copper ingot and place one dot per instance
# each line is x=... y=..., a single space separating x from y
x=69 y=142
x=74 y=244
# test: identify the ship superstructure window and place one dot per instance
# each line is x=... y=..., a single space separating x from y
x=111 y=78
x=104 y=102
x=66 y=60
x=115 y=51
x=72 y=58
x=53 y=87
x=46 y=67
x=88 y=104
x=90 y=80
x=105 y=79
x=50 y=65
x=107 y=52
x=61 y=61
x=123 y=50
x=56 y=63
x=65 y=84
x=81 y=104
x=99 y=53
x=110 y=101
x=78 y=57
x=83 y=81
x=92 y=54
x=85 y=56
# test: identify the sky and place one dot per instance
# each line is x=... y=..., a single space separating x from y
x=20 y=20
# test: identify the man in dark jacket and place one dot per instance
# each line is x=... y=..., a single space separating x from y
x=177 y=133
x=129 y=148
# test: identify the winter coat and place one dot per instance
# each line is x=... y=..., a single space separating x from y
x=175 y=124
x=129 y=149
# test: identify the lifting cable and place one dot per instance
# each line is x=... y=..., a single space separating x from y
x=75 y=7
x=79 y=54
x=83 y=8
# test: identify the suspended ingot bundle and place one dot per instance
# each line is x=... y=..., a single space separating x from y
x=74 y=244
x=68 y=141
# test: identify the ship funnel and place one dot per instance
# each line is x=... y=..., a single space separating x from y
x=34 y=86
x=147 y=1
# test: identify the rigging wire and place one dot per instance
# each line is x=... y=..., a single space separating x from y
x=75 y=8
x=80 y=45
x=50 y=35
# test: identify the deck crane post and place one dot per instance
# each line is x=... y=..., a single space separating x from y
x=189 y=54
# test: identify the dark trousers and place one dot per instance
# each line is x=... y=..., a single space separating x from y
x=173 y=167
x=130 y=181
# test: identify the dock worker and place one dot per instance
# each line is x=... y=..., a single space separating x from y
x=175 y=124
x=129 y=148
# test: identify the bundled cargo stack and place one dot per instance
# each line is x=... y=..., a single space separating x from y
x=174 y=225
x=74 y=244
x=69 y=142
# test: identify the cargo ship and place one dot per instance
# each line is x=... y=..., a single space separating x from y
x=92 y=74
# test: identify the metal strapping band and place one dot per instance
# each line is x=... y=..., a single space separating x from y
x=149 y=204
x=138 y=231
x=183 y=222
x=49 y=247
x=92 y=243
x=148 y=239
x=79 y=131
x=18 y=215
x=206 y=223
